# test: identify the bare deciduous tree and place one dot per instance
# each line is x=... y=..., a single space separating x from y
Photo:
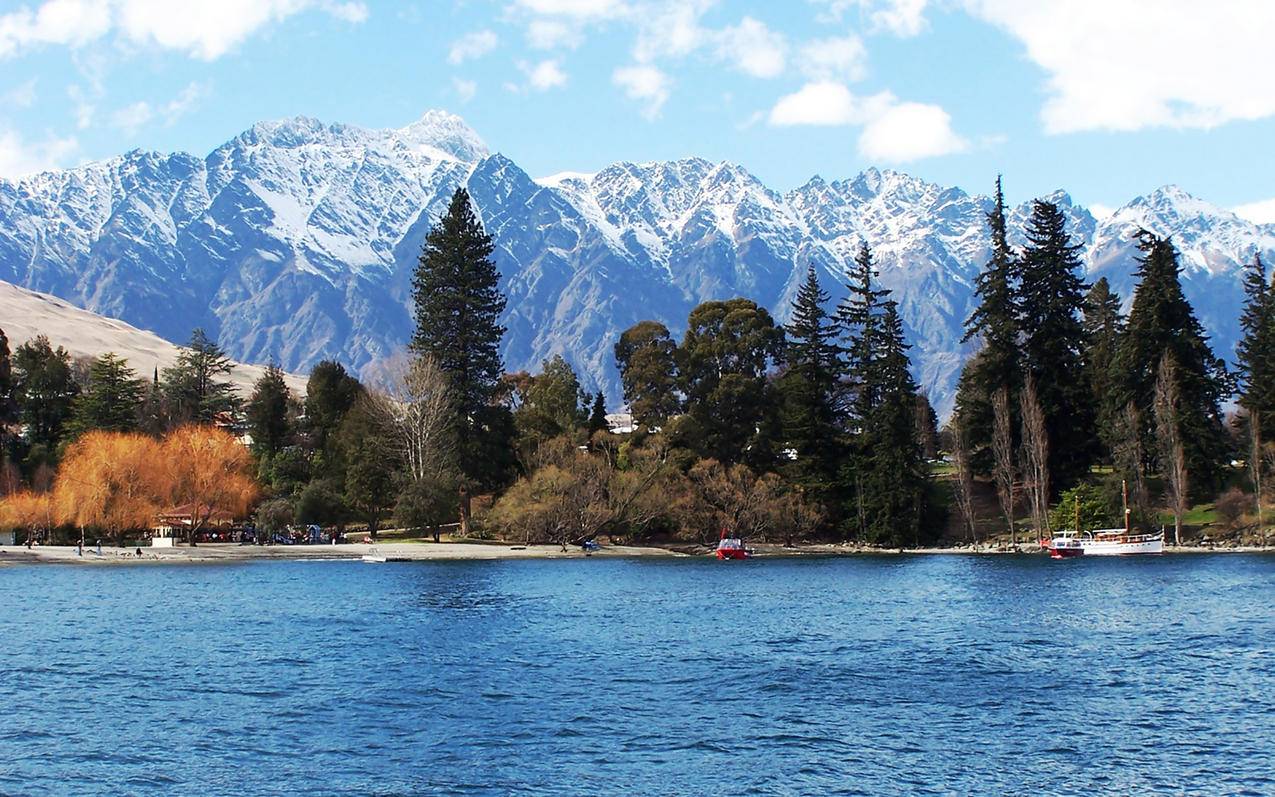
x=1129 y=456
x=1172 y=455
x=1003 y=457
x=1255 y=466
x=414 y=409
x=964 y=477
x=1035 y=455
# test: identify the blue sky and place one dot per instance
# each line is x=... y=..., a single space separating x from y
x=1106 y=99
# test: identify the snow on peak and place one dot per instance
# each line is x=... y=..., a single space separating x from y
x=444 y=131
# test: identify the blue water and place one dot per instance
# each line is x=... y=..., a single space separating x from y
x=871 y=675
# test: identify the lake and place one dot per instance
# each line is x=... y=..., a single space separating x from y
x=811 y=676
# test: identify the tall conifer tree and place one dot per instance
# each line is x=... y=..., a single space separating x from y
x=995 y=323
x=1161 y=321
x=1103 y=325
x=1255 y=354
x=112 y=399
x=892 y=476
x=859 y=319
x=267 y=412
x=197 y=387
x=457 y=298
x=1051 y=294
x=810 y=386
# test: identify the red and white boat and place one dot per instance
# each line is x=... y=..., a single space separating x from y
x=1103 y=542
x=732 y=548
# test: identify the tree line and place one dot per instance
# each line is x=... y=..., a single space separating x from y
x=1063 y=381
x=813 y=429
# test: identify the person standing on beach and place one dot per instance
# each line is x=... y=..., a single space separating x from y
x=99 y=547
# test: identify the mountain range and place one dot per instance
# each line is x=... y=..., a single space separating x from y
x=295 y=241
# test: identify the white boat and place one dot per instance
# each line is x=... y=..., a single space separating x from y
x=373 y=555
x=1104 y=542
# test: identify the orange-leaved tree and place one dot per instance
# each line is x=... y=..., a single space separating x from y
x=28 y=510
x=207 y=472
x=110 y=481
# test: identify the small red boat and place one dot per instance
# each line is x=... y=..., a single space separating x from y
x=732 y=548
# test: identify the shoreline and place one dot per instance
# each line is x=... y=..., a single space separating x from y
x=231 y=553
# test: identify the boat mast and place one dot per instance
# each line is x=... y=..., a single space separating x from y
x=1124 y=499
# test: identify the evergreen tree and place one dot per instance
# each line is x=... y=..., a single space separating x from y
x=645 y=357
x=45 y=390
x=1255 y=354
x=723 y=362
x=891 y=471
x=995 y=323
x=1051 y=294
x=330 y=392
x=196 y=388
x=153 y=414
x=112 y=400
x=1161 y=321
x=598 y=415
x=458 y=303
x=8 y=406
x=267 y=412
x=809 y=389
x=1103 y=324
x=858 y=317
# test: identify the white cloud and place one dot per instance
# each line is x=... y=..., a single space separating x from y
x=893 y=131
x=910 y=131
x=21 y=96
x=1260 y=212
x=465 y=89
x=206 y=29
x=1123 y=66
x=753 y=48
x=84 y=108
x=19 y=158
x=900 y=17
x=645 y=83
x=352 y=12
x=827 y=104
x=68 y=22
x=544 y=75
x=552 y=34
x=133 y=118
x=472 y=45
x=573 y=8
x=670 y=29
x=843 y=58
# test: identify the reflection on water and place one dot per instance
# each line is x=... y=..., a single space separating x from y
x=873 y=675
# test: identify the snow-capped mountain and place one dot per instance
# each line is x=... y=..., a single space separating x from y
x=296 y=240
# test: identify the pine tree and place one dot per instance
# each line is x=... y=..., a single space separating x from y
x=1103 y=324
x=598 y=414
x=458 y=303
x=1161 y=321
x=891 y=471
x=8 y=406
x=1051 y=294
x=267 y=412
x=1255 y=354
x=646 y=358
x=859 y=317
x=809 y=389
x=995 y=323
x=112 y=400
x=196 y=386
x=45 y=390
